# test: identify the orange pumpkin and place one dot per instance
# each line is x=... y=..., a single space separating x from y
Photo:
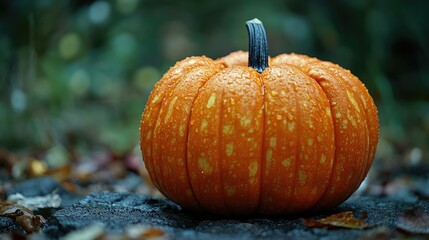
x=234 y=136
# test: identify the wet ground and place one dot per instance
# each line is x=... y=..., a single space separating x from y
x=116 y=215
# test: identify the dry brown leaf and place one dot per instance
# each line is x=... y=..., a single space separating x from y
x=23 y=216
x=414 y=221
x=153 y=232
x=145 y=232
x=339 y=220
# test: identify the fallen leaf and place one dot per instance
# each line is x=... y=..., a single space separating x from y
x=94 y=231
x=144 y=232
x=339 y=220
x=414 y=221
x=23 y=216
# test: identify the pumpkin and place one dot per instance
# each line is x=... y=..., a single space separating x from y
x=249 y=134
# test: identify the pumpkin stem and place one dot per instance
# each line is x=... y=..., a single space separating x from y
x=258 y=45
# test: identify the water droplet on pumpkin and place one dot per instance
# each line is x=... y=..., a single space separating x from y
x=333 y=104
x=279 y=117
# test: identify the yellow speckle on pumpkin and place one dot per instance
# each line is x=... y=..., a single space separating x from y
x=302 y=177
x=203 y=124
x=286 y=162
x=353 y=101
x=274 y=93
x=227 y=129
x=182 y=130
x=245 y=121
x=310 y=142
x=230 y=191
x=232 y=101
x=211 y=100
x=229 y=149
x=187 y=108
x=170 y=109
x=155 y=99
x=273 y=142
x=323 y=159
x=310 y=124
x=338 y=115
x=328 y=112
x=344 y=124
x=284 y=122
x=314 y=191
x=291 y=126
x=148 y=135
x=253 y=168
x=204 y=165
x=351 y=118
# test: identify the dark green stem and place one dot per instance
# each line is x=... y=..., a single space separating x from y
x=258 y=45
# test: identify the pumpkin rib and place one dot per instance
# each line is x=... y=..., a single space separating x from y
x=332 y=121
x=272 y=191
x=164 y=189
x=299 y=142
x=240 y=162
x=280 y=107
x=173 y=133
x=152 y=103
x=339 y=72
x=347 y=142
x=371 y=117
x=187 y=139
x=368 y=106
x=307 y=192
x=179 y=73
x=335 y=157
x=359 y=162
x=327 y=198
x=195 y=143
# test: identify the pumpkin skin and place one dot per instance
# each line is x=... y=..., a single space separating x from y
x=218 y=136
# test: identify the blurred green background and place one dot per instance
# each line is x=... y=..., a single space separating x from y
x=75 y=75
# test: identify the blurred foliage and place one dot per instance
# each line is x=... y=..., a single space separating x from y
x=77 y=74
